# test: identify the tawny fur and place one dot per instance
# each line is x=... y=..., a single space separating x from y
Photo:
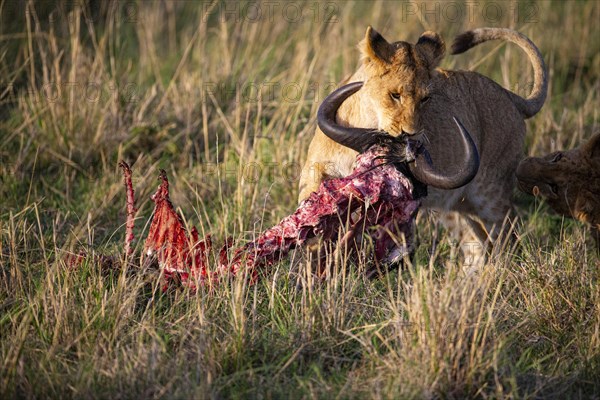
x=569 y=181
x=404 y=91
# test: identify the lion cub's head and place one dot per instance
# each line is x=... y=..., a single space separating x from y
x=398 y=78
x=569 y=180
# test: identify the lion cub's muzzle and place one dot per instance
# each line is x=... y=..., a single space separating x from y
x=400 y=148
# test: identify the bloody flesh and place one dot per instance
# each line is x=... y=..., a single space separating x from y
x=375 y=200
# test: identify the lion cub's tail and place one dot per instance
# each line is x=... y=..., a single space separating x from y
x=534 y=102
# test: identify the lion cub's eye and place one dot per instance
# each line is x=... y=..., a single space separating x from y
x=425 y=99
x=556 y=157
x=396 y=96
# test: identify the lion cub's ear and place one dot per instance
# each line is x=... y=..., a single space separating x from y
x=592 y=148
x=374 y=47
x=431 y=46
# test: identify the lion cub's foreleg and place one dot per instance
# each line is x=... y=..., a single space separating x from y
x=312 y=175
x=480 y=225
x=326 y=159
x=476 y=239
x=471 y=246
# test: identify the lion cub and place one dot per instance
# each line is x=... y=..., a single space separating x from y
x=405 y=91
x=569 y=181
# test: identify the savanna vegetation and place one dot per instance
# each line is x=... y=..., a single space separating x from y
x=223 y=96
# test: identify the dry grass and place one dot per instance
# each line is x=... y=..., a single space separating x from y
x=226 y=104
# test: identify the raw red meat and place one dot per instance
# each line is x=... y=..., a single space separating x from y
x=375 y=200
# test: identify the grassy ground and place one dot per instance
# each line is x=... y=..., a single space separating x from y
x=224 y=97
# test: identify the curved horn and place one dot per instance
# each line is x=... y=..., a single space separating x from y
x=358 y=139
x=423 y=169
